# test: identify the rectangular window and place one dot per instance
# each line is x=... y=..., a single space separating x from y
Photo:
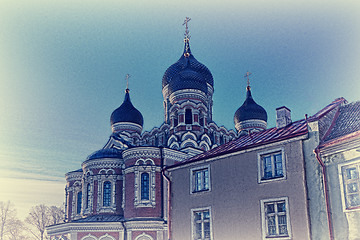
x=188 y=116
x=200 y=179
x=275 y=218
x=271 y=165
x=351 y=186
x=201 y=221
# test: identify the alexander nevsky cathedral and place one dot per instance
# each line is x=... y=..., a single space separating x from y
x=121 y=191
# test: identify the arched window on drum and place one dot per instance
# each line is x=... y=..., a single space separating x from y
x=145 y=186
x=107 y=194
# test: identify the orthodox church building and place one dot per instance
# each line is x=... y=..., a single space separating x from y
x=191 y=179
x=120 y=191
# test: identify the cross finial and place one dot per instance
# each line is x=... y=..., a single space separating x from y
x=187 y=36
x=247 y=75
x=127 y=82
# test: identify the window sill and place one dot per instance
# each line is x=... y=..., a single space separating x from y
x=263 y=180
x=200 y=191
x=278 y=237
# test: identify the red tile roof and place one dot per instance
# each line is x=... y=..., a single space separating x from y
x=267 y=136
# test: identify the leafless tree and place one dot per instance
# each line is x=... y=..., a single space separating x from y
x=57 y=214
x=38 y=219
x=16 y=231
x=7 y=218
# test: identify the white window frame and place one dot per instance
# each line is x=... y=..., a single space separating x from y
x=203 y=209
x=264 y=222
x=140 y=167
x=88 y=179
x=341 y=168
x=192 y=179
x=76 y=188
x=111 y=177
x=271 y=152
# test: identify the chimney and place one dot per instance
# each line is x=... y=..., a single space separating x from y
x=283 y=117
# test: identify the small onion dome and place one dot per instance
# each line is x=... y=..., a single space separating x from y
x=250 y=110
x=187 y=73
x=105 y=153
x=126 y=113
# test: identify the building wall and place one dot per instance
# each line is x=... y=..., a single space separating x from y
x=345 y=221
x=315 y=186
x=235 y=195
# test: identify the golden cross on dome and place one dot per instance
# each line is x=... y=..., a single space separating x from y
x=127 y=82
x=187 y=37
x=187 y=19
x=247 y=75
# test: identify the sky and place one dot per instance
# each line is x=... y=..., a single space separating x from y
x=63 y=66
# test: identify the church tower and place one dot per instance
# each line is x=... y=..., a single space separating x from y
x=187 y=88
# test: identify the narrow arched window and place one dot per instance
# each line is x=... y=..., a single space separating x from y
x=202 y=121
x=145 y=182
x=188 y=116
x=107 y=194
x=88 y=195
x=78 y=204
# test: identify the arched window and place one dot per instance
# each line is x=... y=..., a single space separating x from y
x=176 y=121
x=78 y=204
x=201 y=120
x=188 y=116
x=145 y=182
x=107 y=194
x=88 y=195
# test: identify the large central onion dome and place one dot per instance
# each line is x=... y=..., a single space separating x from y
x=187 y=73
x=250 y=116
x=126 y=117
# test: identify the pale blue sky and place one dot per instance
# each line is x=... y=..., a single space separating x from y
x=62 y=68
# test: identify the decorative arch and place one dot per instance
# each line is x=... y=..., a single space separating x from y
x=204 y=146
x=89 y=237
x=188 y=135
x=188 y=104
x=172 y=139
x=106 y=237
x=206 y=138
x=175 y=146
x=77 y=184
x=144 y=236
x=107 y=171
x=189 y=143
x=147 y=161
x=89 y=173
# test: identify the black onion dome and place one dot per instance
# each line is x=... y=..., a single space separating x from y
x=187 y=79
x=250 y=110
x=105 y=153
x=187 y=62
x=126 y=112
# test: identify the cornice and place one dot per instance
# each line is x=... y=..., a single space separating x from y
x=84 y=226
x=141 y=152
x=349 y=142
x=102 y=163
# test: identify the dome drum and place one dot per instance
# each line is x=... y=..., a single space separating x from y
x=187 y=94
x=252 y=125
x=126 y=126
